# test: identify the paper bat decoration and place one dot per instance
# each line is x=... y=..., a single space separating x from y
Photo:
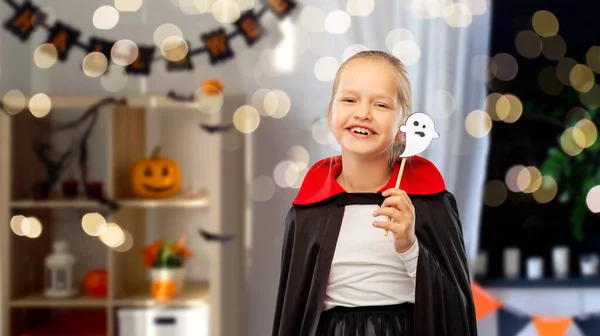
x=178 y=97
x=216 y=128
x=212 y=237
x=419 y=131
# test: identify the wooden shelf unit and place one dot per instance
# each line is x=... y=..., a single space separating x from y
x=129 y=134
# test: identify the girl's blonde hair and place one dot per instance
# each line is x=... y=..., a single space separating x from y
x=404 y=91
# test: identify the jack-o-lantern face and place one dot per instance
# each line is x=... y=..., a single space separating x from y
x=156 y=177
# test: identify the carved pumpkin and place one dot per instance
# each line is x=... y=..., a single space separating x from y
x=96 y=283
x=163 y=290
x=155 y=177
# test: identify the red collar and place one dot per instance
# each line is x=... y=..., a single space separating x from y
x=420 y=177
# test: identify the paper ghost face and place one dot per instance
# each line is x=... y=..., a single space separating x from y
x=419 y=131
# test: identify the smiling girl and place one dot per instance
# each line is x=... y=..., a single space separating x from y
x=340 y=274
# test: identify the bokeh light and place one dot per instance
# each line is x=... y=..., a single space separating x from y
x=478 y=123
x=535 y=179
x=575 y=114
x=407 y=51
x=514 y=173
x=570 y=140
x=320 y=131
x=504 y=66
x=396 y=36
x=263 y=188
x=326 y=68
x=337 y=22
x=545 y=23
x=591 y=99
x=444 y=103
x=246 y=119
x=14 y=101
x=592 y=199
x=45 y=55
x=285 y=174
x=105 y=17
x=546 y=191
x=95 y=64
x=476 y=7
x=94 y=224
x=124 y=52
x=31 y=227
x=277 y=104
x=549 y=82
x=114 y=79
x=164 y=31
x=592 y=58
x=128 y=5
x=208 y=103
x=16 y=225
x=226 y=11
x=352 y=50
x=554 y=47
x=458 y=15
x=590 y=133
x=40 y=105
x=563 y=69
x=174 y=48
x=258 y=101
x=510 y=107
x=113 y=236
x=491 y=107
x=495 y=193
x=300 y=156
x=528 y=44
x=360 y=7
x=581 y=78
x=127 y=243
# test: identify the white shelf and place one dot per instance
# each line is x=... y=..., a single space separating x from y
x=40 y=301
x=201 y=202
x=194 y=294
x=85 y=101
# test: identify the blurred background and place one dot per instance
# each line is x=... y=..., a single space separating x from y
x=149 y=152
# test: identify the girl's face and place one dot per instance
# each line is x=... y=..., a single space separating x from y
x=364 y=115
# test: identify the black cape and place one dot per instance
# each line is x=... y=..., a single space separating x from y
x=443 y=296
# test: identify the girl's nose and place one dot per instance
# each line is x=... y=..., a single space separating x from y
x=362 y=112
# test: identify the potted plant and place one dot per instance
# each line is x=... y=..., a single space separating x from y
x=574 y=163
x=166 y=264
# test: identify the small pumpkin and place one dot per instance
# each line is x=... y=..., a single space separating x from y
x=96 y=283
x=212 y=87
x=155 y=177
x=163 y=290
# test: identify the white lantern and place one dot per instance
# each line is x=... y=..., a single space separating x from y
x=59 y=272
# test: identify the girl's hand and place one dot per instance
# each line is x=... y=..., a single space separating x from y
x=401 y=211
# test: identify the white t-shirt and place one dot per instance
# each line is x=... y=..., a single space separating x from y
x=366 y=269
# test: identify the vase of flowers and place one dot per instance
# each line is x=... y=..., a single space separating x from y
x=165 y=262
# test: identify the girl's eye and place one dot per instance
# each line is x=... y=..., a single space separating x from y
x=382 y=105
x=350 y=100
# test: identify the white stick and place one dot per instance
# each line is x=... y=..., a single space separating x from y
x=397 y=185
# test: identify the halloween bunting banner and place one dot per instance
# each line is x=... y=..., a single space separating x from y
x=28 y=17
x=510 y=321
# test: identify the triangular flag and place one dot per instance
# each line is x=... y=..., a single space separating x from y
x=511 y=322
x=552 y=326
x=589 y=324
x=485 y=304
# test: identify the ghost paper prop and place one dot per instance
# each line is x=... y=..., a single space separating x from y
x=419 y=131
